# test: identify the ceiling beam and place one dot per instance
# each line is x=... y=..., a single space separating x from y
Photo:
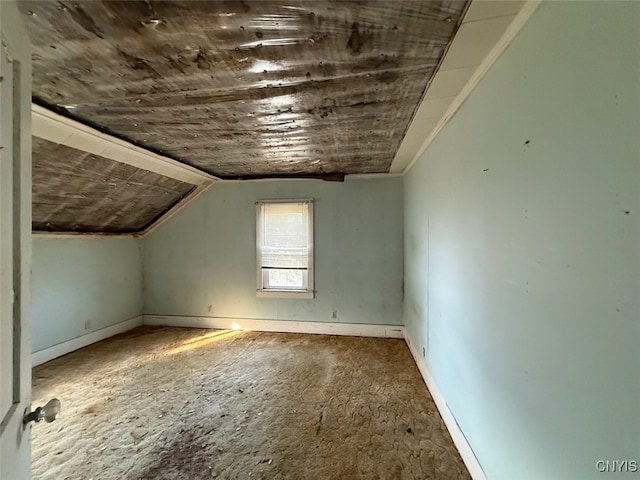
x=64 y=131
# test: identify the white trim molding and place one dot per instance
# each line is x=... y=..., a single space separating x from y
x=175 y=209
x=460 y=441
x=282 y=326
x=64 y=131
x=69 y=346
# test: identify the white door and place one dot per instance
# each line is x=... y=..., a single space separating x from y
x=15 y=242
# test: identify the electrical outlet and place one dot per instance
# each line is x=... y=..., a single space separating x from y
x=424 y=353
x=87 y=324
x=334 y=314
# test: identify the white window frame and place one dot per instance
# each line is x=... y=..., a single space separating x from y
x=272 y=292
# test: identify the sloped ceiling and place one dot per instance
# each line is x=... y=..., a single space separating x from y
x=244 y=89
x=74 y=191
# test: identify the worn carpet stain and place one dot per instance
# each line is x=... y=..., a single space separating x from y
x=169 y=403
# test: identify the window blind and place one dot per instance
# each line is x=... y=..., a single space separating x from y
x=284 y=244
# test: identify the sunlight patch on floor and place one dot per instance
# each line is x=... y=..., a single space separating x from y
x=202 y=341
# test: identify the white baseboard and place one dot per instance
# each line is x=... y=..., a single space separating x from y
x=326 y=328
x=56 y=351
x=460 y=441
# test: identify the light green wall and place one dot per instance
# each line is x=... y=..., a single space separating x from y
x=521 y=253
x=522 y=241
x=80 y=279
x=202 y=261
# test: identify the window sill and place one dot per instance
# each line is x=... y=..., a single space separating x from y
x=285 y=293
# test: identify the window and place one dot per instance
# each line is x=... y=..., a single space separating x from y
x=284 y=245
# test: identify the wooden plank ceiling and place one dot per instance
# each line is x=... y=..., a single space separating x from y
x=242 y=89
x=75 y=191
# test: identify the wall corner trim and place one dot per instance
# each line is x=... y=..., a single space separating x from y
x=43 y=356
x=282 y=326
x=460 y=441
